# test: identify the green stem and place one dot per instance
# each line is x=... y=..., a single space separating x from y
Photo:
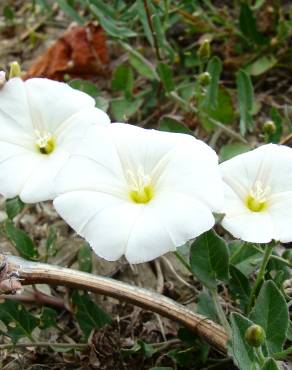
x=266 y=258
x=259 y=354
x=189 y=107
x=283 y=354
x=220 y=312
x=276 y=258
x=149 y=20
x=181 y=258
x=43 y=344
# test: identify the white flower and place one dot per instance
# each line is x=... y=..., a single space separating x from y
x=139 y=192
x=258 y=194
x=41 y=121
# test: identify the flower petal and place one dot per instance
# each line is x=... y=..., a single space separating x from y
x=167 y=157
x=14 y=109
x=54 y=102
x=166 y=223
x=182 y=215
x=280 y=165
x=148 y=238
x=280 y=211
x=81 y=173
x=253 y=227
x=15 y=171
x=71 y=131
x=40 y=184
x=103 y=220
x=95 y=166
x=192 y=169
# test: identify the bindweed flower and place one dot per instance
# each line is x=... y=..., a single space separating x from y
x=139 y=193
x=258 y=194
x=41 y=122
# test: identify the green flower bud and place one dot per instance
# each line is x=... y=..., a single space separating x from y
x=205 y=78
x=269 y=127
x=15 y=70
x=204 y=51
x=255 y=335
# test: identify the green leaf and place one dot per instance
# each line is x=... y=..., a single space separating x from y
x=85 y=258
x=270 y=364
x=243 y=256
x=239 y=349
x=105 y=8
x=248 y=26
x=187 y=336
x=19 y=321
x=271 y=313
x=184 y=357
x=229 y=151
x=126 y=352
x=239 y=286
x=123 y=79
x=206 y=307
x=92 y=90
x=261 y=65
x=289 y=331
x=21 y=241
x=144 y=21
x=245 y=100
x=161 y=368
x=170 y=124
x=102 y=103
x=209 y=259
x=159 y=32
x=13 y=207
x=110 y=25
x=123 y=108
x=165 y=74
x=140 y=346
x=224 y=111
x=214 y=68
x=8 y=13
x=69 y=10
x=86 y=86
x=88 y=314
x=142 y=66
x=48 y=318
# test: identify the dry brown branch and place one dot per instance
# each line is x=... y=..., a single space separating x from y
x=38 y=273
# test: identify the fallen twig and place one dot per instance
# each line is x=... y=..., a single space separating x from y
x=37 y=273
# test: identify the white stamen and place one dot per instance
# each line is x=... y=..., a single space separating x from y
x=42 y=138
x=138 y=181
x=260 y=193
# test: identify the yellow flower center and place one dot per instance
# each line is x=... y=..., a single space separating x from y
x=45 y=142
x=141 y=189
x=256 y=200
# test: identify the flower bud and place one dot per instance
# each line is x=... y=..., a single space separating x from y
x=204 y=51
x=269 y=127
x=15 y=70
x=205 y=78
x=255 y=335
